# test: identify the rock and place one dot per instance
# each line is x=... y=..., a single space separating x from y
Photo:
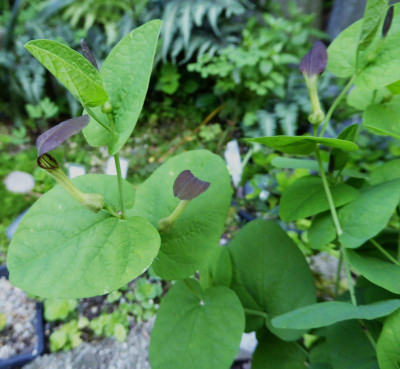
x=106 y=354
x=19 y=182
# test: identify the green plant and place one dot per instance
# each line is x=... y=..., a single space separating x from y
x=258 y=72
x=99 y=237
x=68 y=336
x=191 y=26
x=3 y=321
x=58 y=309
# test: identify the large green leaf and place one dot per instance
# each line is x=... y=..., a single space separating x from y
x=73 y=70
x=379 y=272
x=344 y=346
x=126 y=75
x=383 y=119
x=388 y=347
x=272 y=353
x=270 y=274
x=188 y=244
x=369 y=213
x=385 y=172
x=375 y=10
x=62 y=250
x=322 y=231
x=302 y=145
x=382 y=69
x=331 y=312
x=196 y=329
x=306 y=197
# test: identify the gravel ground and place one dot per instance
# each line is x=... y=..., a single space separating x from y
x=105 y=354
x=19 y=334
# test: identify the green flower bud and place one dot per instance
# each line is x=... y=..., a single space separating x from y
x=106 y=108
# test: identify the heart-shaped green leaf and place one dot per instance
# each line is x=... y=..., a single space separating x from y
x=196 y=329
x=383 y=119
x=126 y=75
x=369 y=213
x=331 y=312
x=302 y=145
x=306 y=197
x=270 y=274
x=272 y=353
x=62 y=250
x=379 y=272
x=388 y=347
x=76 y=73
x=188 y=244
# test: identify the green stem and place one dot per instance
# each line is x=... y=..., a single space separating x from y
x=335 y=219
x=256 y=312
x=335 y=104
x=338 y=275
x=120 y=187
x=368 y=334
x=384 y=252
x=111 y=211
x=97 y=119
x=349 y=278
x=301 y=348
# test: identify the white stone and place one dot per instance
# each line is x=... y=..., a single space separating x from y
x=112 y=170
x=19 y=182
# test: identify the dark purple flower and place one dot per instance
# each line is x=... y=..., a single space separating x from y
x=87 y=53
x=55 y=136
x=188 y=187
x=388 y=21
x=314 y=62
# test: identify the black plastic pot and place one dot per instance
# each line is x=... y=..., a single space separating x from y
x=23 y=358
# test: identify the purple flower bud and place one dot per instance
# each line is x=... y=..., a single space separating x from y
x=55 y=136
x=188 y=187
x=314 y=62
x=87 y=53
x=388 y=22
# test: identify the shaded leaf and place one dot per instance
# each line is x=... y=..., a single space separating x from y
x=369 y=213
x=383 y=119
x=272 y=353
x=385 y=172
x=322 y=231
x=87 y=53
x=379 y=272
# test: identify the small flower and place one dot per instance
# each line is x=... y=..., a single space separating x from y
x=55 y=136
x=314 y=62
x=188 y=187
